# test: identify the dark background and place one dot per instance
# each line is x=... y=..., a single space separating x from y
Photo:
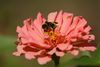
x=13 y=12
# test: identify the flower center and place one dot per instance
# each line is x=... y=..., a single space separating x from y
x=52 y=35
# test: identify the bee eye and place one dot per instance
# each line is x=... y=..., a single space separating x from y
x=44 y=26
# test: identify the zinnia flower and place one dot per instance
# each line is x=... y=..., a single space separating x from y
x=61 y=33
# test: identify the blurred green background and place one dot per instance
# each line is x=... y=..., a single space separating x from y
x=13 y=12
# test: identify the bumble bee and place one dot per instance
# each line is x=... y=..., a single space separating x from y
x=48 y=26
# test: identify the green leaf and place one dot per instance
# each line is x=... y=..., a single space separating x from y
x=64 y=61
x=85 y=53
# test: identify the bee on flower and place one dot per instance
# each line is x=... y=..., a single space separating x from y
x=61 y=33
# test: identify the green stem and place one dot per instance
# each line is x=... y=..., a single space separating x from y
x=56 y=60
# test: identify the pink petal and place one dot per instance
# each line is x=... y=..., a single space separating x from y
x=52 y=51
x=19 y=50
x=31 y=36
x=91 y=48
x=79 y=27
x=59 y=19
x=36 y=30
x=69 y=47
x=24 y=40
x=16 y=53
x=87 y=29
x=73 y=25
x=32 y=33
x=38 y=23
x=91 y=37
x=18 y=29
x=63 y=46
x=67 y=19
x=82 y=23
x=74 y=52
x=24 y=30
x=60 y=54
x=73 y=39
x=86 y=37
x=35 y=36
x=39 y=52
x=29 y=55
x=86 y=46
x=40 y=45
x=29 y=20
x=44 y=60
x=52 y=17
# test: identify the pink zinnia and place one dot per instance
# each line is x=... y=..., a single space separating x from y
x=61 y=33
